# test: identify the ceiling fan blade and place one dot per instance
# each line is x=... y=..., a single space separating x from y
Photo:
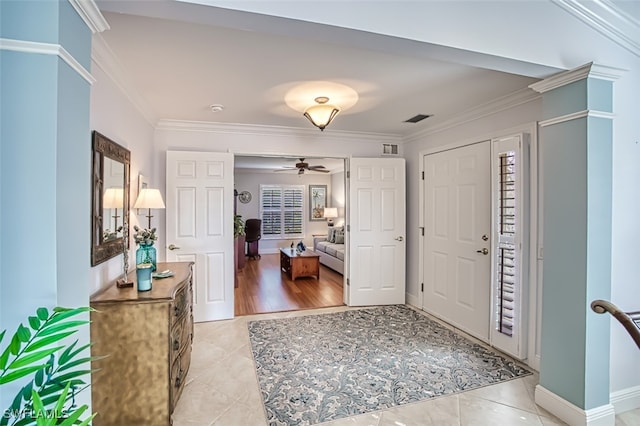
x=319 y=170
x=316 y=167
x=286 y=169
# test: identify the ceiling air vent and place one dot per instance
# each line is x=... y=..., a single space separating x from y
x=389 y=149
x=417 y=118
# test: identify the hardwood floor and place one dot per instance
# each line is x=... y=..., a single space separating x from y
x=263 y=288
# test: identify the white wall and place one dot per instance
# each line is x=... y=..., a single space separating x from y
x=251 y=182
x=498 y=30
x=625 y=267
x=338 y=196
x=113 y=115
x=249 y=140
x=474 y=131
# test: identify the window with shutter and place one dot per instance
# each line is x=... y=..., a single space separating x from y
x=282 y=211
x=508 y=331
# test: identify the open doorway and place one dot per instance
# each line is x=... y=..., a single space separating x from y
x=290 y=197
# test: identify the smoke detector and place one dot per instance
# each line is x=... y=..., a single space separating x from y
x=216 y=107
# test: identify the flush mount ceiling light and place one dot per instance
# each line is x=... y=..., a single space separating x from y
x=321 y=114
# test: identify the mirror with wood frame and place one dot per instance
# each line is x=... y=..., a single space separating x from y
x=109 y=198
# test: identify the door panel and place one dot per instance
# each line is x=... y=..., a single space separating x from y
x=457 y=214
x=376 y=240
x=200 y=224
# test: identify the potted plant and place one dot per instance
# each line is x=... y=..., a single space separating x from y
x=238 y=242
x=35 y=352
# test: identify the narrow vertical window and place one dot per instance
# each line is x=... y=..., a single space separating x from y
x=509 y=218
x=506 y=266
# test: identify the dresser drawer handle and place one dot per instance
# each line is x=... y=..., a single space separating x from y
x=179 y=378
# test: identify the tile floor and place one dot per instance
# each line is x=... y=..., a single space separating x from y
x=222 y=389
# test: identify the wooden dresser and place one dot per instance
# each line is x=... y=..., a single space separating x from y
x=147 y=337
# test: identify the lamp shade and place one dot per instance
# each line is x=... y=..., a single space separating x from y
x=321 y=114
x=330 y=212
x=149 y=199
x=113 y=198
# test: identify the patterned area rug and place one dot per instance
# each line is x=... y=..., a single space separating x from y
x=317 y=368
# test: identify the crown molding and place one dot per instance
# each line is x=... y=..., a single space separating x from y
x=103 y=56
x=585 y=71
x=47 y=49
x=502 y=103
x=608 y=19
x=575 y=116
x=279 y=131
x=91 y=15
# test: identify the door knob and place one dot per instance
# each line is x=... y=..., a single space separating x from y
x=484 y=251
x=173 y=247
x=399 y=238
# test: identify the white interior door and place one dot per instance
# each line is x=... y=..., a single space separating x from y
x=377 y=231
x=200 y=227
x=457 y=263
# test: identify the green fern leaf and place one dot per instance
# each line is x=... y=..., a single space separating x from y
x=24 y=334
x=42 y=313
x=39 y=343
x=32 y=357
x=5 y=357
x=17 y=374
x=60 y=315
x=26 y=391
x=66 y=356
x=34 y=322
x=39 y=378
x=76 y=363
x=15 y=344
x=52 y=329
x=71 y=375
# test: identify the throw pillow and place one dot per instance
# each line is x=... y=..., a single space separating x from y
x=339 y=237
x=331 y=235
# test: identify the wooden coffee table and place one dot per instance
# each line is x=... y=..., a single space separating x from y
x=296 y=265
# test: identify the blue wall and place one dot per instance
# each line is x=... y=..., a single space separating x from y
x=44 y=165
x=577 y=173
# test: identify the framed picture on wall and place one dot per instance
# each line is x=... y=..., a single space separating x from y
x=317 y=201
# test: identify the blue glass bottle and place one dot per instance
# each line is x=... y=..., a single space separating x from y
x=146 y=253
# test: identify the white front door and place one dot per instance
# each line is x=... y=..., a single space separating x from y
x=200 y=227
x=457 y=269
x=377 y=231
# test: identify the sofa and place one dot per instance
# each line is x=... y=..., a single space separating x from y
x=330 y=248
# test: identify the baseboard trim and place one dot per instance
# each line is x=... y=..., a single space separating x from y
x=604 y=415
x=626 y=399
x=412 y=300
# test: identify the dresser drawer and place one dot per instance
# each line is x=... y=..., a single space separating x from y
x=181 y=304
x=181 y=335
x=179 y=370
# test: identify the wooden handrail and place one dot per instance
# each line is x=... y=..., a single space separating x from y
x=630 y=320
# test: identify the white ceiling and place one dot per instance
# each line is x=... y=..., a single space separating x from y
x=205 y=55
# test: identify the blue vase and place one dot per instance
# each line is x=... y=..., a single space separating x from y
x=146 y=253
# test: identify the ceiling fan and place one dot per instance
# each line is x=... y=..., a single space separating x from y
x=302 y=166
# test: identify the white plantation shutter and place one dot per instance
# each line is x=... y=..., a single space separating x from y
x=282 y=210
x=507 y=331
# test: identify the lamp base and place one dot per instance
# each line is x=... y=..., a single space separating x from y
x=329 y=222
x=123 y=283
